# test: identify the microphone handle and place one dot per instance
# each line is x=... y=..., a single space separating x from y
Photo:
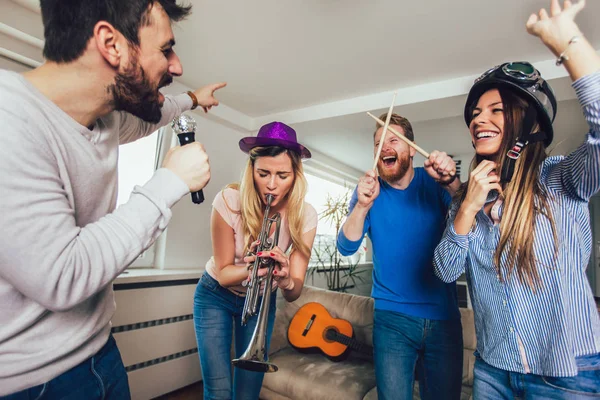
x=187 y=138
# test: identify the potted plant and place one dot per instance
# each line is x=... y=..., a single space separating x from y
x=341 y=273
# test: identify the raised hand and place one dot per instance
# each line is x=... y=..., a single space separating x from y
x=206 y=95
x=559 y=32
x=440 y=166
x=368 y=189
x=558 y=27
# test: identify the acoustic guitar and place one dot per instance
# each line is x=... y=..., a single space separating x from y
x=313 y=327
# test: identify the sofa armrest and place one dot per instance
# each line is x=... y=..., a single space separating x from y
x=279 y=340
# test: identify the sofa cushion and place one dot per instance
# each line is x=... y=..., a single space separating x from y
x=468 y=365
x=358 y=310
x=313 y=376
x=468 y=328
x=268 y=394
x=279 y=339
x=469 y=345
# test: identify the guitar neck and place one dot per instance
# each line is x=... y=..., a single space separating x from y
x=350 y=342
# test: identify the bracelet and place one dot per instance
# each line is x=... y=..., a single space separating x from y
x=563 y=57
x=450 y=181
x=194 y=99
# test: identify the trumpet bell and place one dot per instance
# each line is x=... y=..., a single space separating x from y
x=255 y=365
x=256 y=356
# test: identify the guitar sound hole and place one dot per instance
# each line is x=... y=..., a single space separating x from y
x=330 y=334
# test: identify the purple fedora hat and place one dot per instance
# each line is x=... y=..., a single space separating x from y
x=275 y=134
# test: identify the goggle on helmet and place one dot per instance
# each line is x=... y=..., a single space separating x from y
x=525 y=81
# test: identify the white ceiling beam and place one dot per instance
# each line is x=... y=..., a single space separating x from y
x=22 y=36
x=408 y=95
x=222 y=112
x=26 y=61
x=340 y=172
x=31 y=5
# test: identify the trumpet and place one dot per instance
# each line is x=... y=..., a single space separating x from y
x=255 y=358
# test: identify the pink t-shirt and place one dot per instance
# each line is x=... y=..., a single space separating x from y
x=231 y=197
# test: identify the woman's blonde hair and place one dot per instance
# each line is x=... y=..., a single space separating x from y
x=525 y=199
x=251 y=206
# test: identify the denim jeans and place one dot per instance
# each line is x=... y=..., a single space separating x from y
x=404 y=344
x=101 y=376
x=493 y=383
x=217 y=313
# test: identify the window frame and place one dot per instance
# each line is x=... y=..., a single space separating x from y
x=153 y=256
x=323 y=171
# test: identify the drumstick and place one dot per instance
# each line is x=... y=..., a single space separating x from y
x=401 y=136
x=385 y=128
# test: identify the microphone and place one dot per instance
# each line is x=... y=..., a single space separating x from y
x=185 y=128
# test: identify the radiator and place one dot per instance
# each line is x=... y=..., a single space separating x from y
x=154 y=330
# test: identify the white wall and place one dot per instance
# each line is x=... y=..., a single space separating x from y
x=15 y=17
x=188 y=242
x=188 y=235
x=11 y=65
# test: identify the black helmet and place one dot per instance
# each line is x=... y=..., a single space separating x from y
x=524 y=80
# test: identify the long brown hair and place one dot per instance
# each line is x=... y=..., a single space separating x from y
x=525 y=199
x=251 y=205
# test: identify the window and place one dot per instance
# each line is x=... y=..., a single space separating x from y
x=320 y=191
x=137 y=163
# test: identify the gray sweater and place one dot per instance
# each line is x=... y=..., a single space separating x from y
x=62 y=242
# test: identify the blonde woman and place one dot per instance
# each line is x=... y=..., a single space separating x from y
x=520 y=227
x=274 y=167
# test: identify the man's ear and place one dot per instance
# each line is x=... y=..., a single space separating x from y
x=109 y=43
x=412 y=151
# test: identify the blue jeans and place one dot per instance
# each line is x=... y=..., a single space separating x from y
x=494 y=383
x=403 y=344
x=101 y=376
x=217 y=313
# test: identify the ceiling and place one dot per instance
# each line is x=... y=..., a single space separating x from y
x=319 y=65
x=280 y=55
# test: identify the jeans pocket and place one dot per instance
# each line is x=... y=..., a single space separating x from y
x=588 y=363
x=209 y=282
x=586 y=383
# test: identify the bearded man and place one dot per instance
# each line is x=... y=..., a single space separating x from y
x=62 y=242
x=417 y=325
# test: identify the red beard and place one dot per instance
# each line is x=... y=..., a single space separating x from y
x=399 y=169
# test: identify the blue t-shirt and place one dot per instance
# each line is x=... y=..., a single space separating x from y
x=405 y=226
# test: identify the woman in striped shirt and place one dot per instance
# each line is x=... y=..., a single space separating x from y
x=520 y=226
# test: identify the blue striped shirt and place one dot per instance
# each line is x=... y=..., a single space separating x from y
x=559 y=321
